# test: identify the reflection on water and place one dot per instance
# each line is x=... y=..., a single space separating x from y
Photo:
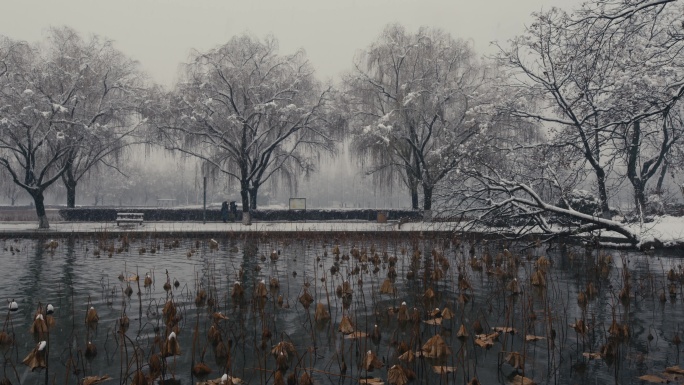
x=578 y=316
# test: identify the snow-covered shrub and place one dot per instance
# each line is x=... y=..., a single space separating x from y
x=655 y=205
x=582 y=201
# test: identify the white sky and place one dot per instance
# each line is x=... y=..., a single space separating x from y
x=161 y=33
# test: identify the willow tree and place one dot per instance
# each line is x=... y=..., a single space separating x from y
x=250 y=113
x=66 y=105
x=100 y=91
x=413 y=101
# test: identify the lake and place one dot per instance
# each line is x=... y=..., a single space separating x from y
x=556 y=314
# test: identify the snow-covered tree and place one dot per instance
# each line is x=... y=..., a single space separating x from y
x=607 y=80
x=607 y=84
x=32 y=148
x=249 y=113
x=64 y=107
x=415 y=102
x=101 y=90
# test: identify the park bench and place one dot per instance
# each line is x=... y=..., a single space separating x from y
x=129 y=218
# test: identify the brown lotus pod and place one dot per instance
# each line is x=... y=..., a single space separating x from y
x=429 y=294
x=591 y=291
x=582 y=299
x=124 y=323
x=437 y=274
x=515 y=359
x=513 y=286
x=543 y=262
x=274 y=283
x=266 y=334
x=171 y=346
x=387 y=287
x=322 y=313
x=346 y=326
x=580 y=327
x=376 y=335
x=201 y=369
x=371 y=361
x=91 y=316
x=90 y=350
x=397 y=376
x=155 y=365
x=282 y=362
x=477 y=327
x=261 y=290
x=38 y=327
x=201 y=298
x=214 y=335
x=50 y=321
x=305 y=379
x=408 y=356
x=435 y=347
x=538 y=279
x=347 y=288
x=218 y=316
x=415 y=316
x=148 y=280
x=238 y=291
x=280 y=300
x=169 y=311
x=447 y=314
x=36 y=358
x=92 y=380
x=139 y=378
x=221 y=350
x=403 y=314
x=306 y=299
x=283 y=347
x=462 y=332
x=278 y=378
x=5 y=339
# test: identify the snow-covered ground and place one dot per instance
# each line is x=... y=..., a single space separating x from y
x=199 y=227
x=667 y=229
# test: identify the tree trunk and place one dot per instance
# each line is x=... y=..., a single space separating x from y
x=661 y=177
x=413 y=190
x=253 y=198
x=639 y=196
x=603 y=194
x=40 y=209
x=70 y=184
x=427 y=197
x=244 y=194
x=246 y=217
x=71 y=193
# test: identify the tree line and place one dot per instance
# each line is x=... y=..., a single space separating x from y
x=587 y=99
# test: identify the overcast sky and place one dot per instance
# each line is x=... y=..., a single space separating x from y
x=161 y=33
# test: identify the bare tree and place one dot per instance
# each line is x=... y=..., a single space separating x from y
x=603 y=106
x=31 y=146
x=66 y=105
x=249 y=113
x=599 y=89
x=414 y=101
x=101 y=90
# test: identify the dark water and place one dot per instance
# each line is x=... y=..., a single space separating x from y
x=72 y=277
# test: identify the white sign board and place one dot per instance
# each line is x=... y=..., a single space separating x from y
x=297 y=203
